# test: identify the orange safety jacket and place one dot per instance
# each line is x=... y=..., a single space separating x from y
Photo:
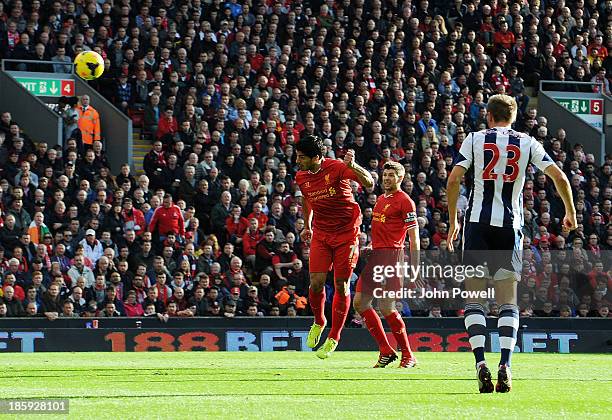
x=89 y=124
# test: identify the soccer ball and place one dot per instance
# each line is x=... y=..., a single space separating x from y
x=89 y=65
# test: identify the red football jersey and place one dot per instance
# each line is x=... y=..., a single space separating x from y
x=330 y=197
x=392 y=217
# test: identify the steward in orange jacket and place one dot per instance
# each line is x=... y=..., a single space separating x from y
x=288 y=297
x=89 y=121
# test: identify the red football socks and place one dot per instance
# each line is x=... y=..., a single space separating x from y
x=317 y=305
x=340 y=308
x=398 y=328
x=374 y=325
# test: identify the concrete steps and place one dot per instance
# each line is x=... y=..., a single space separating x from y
x=140 y=147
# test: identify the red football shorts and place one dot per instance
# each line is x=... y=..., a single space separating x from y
x=338 y=250
x=380 y=272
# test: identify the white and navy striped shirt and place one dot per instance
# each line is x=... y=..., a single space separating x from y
x=500 y=157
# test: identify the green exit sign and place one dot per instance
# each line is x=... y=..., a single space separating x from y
x=582 y=106
x=587 y=109
x=47 y=87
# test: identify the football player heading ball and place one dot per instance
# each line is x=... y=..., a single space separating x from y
x=332 y=219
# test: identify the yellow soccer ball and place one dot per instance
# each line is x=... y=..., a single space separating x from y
x=89 y=65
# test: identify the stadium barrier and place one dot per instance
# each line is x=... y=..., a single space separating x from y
x=583 y=115
x=25 y=92
x=33 y=115
x=574 y=335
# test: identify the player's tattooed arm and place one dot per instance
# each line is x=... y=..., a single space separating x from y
x=363 y=176
x=306 y=233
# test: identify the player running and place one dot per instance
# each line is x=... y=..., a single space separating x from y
x=493 y=221
x=394 y=215
x=332 y=219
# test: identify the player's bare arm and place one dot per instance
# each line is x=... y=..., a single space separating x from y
x=452 y=191
x=306 y=233
x=363 y=176
x=564 y=189
x=415 y=248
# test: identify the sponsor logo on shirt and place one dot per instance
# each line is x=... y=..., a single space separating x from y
x=320 y=194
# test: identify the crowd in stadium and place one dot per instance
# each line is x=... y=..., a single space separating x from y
x=225 y=90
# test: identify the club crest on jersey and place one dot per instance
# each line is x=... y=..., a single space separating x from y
x=327 y=179
x=386 y=207
x=307 y=184
x=410 y=217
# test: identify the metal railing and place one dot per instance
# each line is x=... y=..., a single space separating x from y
x=572 y=83
x=5 y=61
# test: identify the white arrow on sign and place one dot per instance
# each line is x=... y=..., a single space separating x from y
x=54 y=88
x=583 y=107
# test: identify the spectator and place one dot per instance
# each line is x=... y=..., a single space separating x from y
x=167 y=218
x=251 y=237
x=110 y=311
x=219 y=214
x=229 y=309
x=78 y=269
x=265 y=252
x=70 y=116
x=236 y=226
x=61 y=57
x=124 y=94
x=14 y=307
x=152 y=299
x=287 y=298
x=92 y=247
x=167 y=126
x=10 y=282
x=132 y=307
x=152 y=114
x=282 y=261
x=89 y=122
x=76 y=298
x=68 y=310
x=32 y=310
x=111 y=297
x=243 y=100
x=10 y=233
x=51 y=306
x=37 y=229
x=298 y=277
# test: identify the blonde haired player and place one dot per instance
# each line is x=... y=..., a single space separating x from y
x=493 y=223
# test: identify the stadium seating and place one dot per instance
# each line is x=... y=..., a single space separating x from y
x=395 y=80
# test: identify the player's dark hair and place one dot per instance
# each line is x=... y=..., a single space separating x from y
x=311 y=146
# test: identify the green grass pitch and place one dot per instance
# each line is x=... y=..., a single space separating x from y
x=288 y=385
